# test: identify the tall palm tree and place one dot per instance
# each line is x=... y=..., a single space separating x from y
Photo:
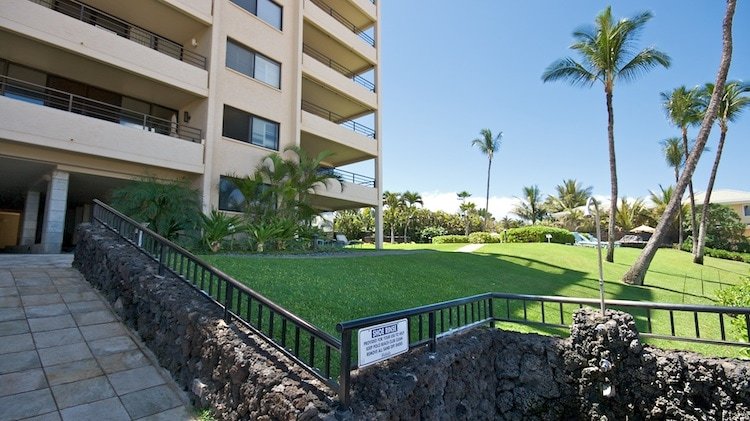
x=608 y=55
x=488 y=145
x=394 y=205
x=732 y=103
x=467 y=209
x=673 y=154
x=410 y=199
x=683 y=108
x=637 y=273
x=531 y=207
x=569 y=195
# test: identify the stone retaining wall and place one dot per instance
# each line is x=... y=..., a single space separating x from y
x=227 y=368
x=602 y=372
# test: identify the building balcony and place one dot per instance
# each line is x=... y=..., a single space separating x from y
x=318 y=134
x=331 y=64
x=321 y=27
x=84 y=36
x=42 y=116
x=358 y=29
x=335 y=118
x=357 y=191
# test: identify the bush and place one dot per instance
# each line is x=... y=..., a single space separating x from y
x=537 y=234
x=450 y=239
x=428 y=233
x=484 y=238
x=737 y=296
x=718 y=253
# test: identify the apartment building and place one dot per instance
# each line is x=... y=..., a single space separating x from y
x=95 y=93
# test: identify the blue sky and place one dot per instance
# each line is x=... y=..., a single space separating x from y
x=452 y=68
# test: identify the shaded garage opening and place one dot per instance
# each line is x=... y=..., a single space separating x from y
x=24 y=191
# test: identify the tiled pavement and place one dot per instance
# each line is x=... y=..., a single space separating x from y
x=64 y=355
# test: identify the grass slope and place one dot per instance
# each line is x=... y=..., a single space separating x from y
x=328 y=290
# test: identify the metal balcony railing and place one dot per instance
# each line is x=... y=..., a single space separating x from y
x=337 y=67
x=117 y=26
x=342 y=121
x=48 y=97
x=349 y=177
x=352 y=27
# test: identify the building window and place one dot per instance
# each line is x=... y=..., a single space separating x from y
x=267 y=10
x=232 y=199
x=246 y=127
x=746 y=210
x=253 y=64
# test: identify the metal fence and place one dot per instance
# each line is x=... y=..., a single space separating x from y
x=331 y=116
x=307 y=345
x=117 y=26
x=427 y=324
x=49 y=97
x=349 y=177
x=329 y=358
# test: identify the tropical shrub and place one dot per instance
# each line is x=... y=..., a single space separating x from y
x=484 y=238
x=169 y=208
x=216 y=226
x=737 y=296
x=428 y=233
x=537 y=234
x=449 y=239
x=724 y=229
x=718 y=253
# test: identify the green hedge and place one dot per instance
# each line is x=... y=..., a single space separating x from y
x=484 y=238
x=537 y=234
x=445 y=239
x=719 y=253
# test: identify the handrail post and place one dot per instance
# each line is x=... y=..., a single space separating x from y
x=345 y=370
x=227 y=300
x=162 y=255
x=747 y=326
x=432 y=329
x=492 y=314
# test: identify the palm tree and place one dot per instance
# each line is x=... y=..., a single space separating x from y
x=631 y=214
x=570 y=195
x=531 y=207
x=660 y=199
x=682 y=106
x=608 y=54
x=673 y=154
x=410 y=199
x=467 y=209
x=637 y=273
x=394 y=204
x=488 y=145
x=732 y=103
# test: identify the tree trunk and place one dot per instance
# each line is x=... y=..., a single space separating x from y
x=637 y=273
x=406 y=227
x=487 y=200
x=680 y=239
x=693 y=220
x=613 y=175
x=392 y=234
x=698 y=254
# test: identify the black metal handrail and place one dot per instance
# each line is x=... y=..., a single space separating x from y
x=109 y=23
x=339 y=17
x=337 y=67
x=331 y=116
x=301 y=341
x=73 y=103
x=430 y=322
x=349 y=177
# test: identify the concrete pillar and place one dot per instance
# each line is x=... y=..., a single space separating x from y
x=54 y=212
x=30 y=214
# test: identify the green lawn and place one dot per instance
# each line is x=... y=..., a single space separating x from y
x=328 y=290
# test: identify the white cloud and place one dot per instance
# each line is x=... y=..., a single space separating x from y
x=448 y=202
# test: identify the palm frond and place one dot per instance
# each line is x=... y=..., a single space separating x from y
x=645 y=60
x=570 y=70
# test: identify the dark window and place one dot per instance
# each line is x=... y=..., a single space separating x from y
x=267 y=10
x=253 y=64
x=246 y=127
x=230 y=197
x=747 y=210
x=30 y=89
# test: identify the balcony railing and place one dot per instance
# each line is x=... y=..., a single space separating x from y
x=349 y=177
x=42 y=95
x=352 y=27
x=331 y=116
x=337 y=67
x=119 y=27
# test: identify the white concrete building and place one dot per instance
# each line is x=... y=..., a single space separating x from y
x=97 y=92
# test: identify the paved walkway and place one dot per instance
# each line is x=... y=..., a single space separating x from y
x=470 y=248
x=64 y=354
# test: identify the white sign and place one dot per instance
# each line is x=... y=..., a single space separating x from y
x=378 y=343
